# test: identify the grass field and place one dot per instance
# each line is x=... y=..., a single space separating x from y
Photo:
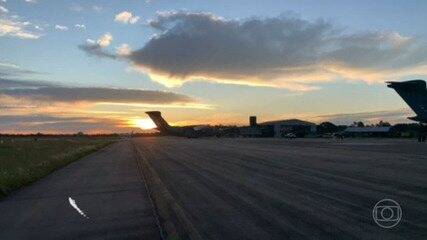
x=24 y=160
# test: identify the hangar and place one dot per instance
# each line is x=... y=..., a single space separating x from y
x=299 y=127
x=278 y=128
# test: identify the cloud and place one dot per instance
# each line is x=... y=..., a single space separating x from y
x=3 y=10
x=105 y=40
x=93 y=48
x=392 y=116
x=126 y=17
x=61 y=27
x=95 y=95
x=284 y=51
x=8 y=65
x=38 y=27
x=123 y=50
x=80 y=26
x=97 y=8
x=9 y=69
x=76 y=7
x=15 y=27
x=34 y=118
x=47 y=123
x=30 y=1
x=41 y=91
x=15 y=84
x=97 y=48
x=35 y=106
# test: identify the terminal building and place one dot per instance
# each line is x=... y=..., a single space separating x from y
x=278 y=128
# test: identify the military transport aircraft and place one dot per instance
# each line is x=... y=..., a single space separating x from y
x=414 y=93
x=185 y=131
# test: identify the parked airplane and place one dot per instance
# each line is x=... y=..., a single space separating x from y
x=186 y=131
x=414 y=93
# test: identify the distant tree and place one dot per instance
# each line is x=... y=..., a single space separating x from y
x=383 y=124
x=328 y=127
x=358 y=124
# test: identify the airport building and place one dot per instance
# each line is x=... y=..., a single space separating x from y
x=367 y=131
x=253 y=130
x=278 y=128
x=298 y=127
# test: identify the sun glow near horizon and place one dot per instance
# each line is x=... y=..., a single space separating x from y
x=143 y=123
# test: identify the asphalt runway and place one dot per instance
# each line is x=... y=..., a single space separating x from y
x=228 y=189
x=292 y=189
x=106 y=186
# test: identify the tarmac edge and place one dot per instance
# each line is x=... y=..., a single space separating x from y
x=171 y=218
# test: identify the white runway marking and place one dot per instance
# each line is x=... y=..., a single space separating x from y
x=74 y=205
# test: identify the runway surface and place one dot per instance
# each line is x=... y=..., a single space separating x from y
x=229 y=189
x=106 y=186
x=292 y=189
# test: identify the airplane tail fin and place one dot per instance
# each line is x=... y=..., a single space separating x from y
x=414 y=93
x=157 y=118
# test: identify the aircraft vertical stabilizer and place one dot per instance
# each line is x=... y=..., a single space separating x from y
x=414 y=93
x=157 y=118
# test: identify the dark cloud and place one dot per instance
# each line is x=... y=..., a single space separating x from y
x=201 y=44
x=5 y=119
x=377 y=50
x=393 y=116
x=47 y=123
x=95 y=49
x=99 y=126
x=12 y=83
x=76 y=94
x=282 y=51
x=36 y=106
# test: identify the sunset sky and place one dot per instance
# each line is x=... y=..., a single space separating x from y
x=98 y=65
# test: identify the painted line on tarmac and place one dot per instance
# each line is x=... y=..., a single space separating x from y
x=74 y=205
